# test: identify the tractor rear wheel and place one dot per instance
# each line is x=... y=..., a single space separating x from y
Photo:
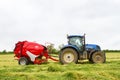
x=68 y=55
x=98 y=57
x=23 y=61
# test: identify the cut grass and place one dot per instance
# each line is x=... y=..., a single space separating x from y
x=10 y=70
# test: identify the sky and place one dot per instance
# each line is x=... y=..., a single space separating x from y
x=44 y=21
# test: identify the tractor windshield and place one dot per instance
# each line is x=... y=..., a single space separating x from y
x=77 y=41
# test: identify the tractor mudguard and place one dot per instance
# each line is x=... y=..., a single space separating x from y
x=71 y=46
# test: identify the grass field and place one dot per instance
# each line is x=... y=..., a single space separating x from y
x=10 y=70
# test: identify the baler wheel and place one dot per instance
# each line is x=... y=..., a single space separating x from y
x=68 y=55
x=98 y=57
x=23 y=61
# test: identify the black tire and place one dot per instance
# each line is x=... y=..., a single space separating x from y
x=98 y=57
x=68 y=55
x=23 y=61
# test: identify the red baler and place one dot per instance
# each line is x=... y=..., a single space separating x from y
x=31 y=52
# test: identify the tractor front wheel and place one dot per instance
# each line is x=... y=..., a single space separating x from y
x=23 y=61
x=68 y=55
x=98 y=57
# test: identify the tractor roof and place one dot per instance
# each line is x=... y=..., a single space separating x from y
x=70 y=36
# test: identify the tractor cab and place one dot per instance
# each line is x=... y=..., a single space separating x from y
x=77 y=41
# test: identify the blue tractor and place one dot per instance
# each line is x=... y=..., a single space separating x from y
x=78 y=50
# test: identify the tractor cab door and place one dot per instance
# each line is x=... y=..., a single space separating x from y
x=79 y=42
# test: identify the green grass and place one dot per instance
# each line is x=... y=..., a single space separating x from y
x=10 y=70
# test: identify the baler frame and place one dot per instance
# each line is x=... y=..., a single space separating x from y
x=25 y=56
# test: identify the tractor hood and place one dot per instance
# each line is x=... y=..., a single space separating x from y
x=92 y=46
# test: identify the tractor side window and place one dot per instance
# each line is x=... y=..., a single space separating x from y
x=76 y=41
